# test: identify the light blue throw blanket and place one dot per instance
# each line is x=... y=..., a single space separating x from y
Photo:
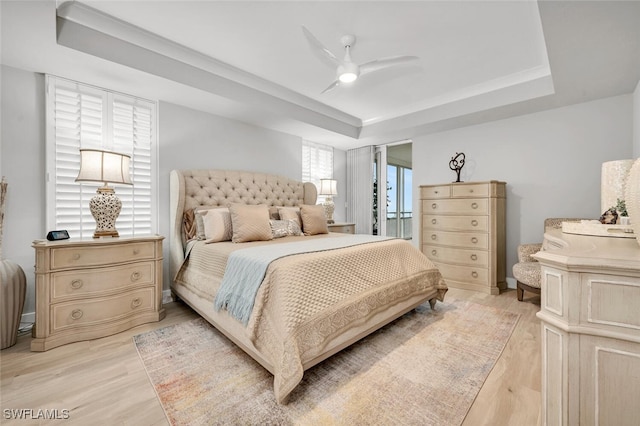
x=246 y=269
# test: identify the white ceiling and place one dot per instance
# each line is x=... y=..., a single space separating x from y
x=479 y=60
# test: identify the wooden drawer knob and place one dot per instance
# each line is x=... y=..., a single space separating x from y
x=136 y=302
x=136 y=252
x=474 y=205
x=76 y=284
x=434 y=252
x=135 y=276
x=471 y=191
x=434 y=206
x=434 y=236
x=474 y=274
x=474 y=257
x=76 y=314
x=76 y=256
x=474 y=240
x=474 y=222
x=433 y=221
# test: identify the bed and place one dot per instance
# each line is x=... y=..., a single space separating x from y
x=308 y=305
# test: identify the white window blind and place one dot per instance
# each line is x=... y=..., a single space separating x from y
x=317 y=163
x=82 y=116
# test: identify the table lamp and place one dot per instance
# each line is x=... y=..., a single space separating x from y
x=106 y=167
x=329 y=188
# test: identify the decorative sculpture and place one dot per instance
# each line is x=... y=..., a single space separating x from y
x=457 y=163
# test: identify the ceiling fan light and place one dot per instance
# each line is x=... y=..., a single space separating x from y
x=347 y=77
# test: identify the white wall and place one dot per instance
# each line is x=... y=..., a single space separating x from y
x=23 y=165
x=550 y=160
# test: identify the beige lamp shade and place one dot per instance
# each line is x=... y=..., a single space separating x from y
x=612 y=182
x=104 y=166
x=328 y=187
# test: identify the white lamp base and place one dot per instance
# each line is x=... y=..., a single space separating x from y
x=105 y=208
x=329 y=208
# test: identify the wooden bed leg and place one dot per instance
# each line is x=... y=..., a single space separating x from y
x=432 y=303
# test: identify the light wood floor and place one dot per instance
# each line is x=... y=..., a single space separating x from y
x=104 y=382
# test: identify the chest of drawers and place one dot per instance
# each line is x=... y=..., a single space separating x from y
x=86 y=289
x=463 y=231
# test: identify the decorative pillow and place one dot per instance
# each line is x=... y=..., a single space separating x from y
x=284 y=228
x=217 y=225
x=313 y=220
x=290 y=213
x=189 y=225
x=250 y=223
x=198 y=212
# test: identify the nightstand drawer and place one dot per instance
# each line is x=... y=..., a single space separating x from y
x=467 y=206
x=99 y=281
x=73 y=257
x=456 y=223
x=343 y=229
x=101 y=310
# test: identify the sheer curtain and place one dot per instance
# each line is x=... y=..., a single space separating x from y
x=360 y=188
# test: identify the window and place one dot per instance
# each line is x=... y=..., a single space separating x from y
x=317 y=163
x=82 y=116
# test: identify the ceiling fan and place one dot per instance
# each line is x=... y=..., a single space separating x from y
x=348 y=71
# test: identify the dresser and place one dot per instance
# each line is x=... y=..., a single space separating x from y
x=343 y=228
x=590 y=324
x=86 y=289
x=463 y=231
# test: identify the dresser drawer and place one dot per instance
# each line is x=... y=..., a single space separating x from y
x=456 y=223
x=456 y=239
x=73 y=257
x=441 y=191
x=454 y=255
x=471 y=190
x=467 y=274
x=463 y=206
x=91 y=312
x=99 y=281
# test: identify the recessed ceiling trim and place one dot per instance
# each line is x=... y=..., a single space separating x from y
x=83 y=28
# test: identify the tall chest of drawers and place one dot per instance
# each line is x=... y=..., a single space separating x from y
x=463 y=231
x=86 y=289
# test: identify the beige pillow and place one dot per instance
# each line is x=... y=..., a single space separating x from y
x=217 y=225
x=198 y=213
x=290 y=213
x=313 y=220
x=250 y=223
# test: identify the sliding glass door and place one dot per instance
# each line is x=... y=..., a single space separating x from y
x=400 y=206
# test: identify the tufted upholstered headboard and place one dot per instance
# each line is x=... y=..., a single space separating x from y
x=193 y=188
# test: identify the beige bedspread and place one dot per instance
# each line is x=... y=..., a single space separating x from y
x=307 y=300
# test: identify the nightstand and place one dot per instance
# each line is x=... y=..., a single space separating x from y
x=86 y=289
x=343 y=228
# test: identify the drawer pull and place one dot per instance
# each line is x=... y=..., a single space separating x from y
x=474 y=222
x=135 y=276
x=435 y=192
x=76 y=284
x=474 y=257
x=434 y=206
x=474 y=274
x=433 y=221
x=434 y=236
x=136 y=302
x=474 y=240
x=471 y=191
x=76 y=314
x=474 y=205
x=434 y=252
x=76 y=256
x=136 y=252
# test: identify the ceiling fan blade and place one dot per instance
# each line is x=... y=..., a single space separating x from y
x=319 y=50
x=379 y=64
x=331 y=86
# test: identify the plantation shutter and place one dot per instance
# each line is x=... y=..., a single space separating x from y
x=81 y=116
x=317 y=163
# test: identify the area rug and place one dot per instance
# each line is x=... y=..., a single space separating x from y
x=425 y=368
